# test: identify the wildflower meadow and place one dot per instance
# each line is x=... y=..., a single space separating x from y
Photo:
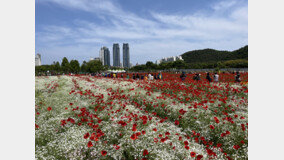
x=88 y=117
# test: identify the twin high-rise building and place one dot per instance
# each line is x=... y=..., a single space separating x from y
x=105 y=56
x=126 y=58
x=116 y=55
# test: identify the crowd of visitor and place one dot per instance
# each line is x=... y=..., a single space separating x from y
x=154 y=76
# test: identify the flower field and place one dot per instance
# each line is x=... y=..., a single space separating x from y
x=86 y=117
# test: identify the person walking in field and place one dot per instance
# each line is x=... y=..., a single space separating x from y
x=137 y=76
x=216 y=77
x=146 y=77
x=238 y=77
x=160 y=76
x=196 y=77
x=133 y=76
x=155 y=76
x=182 y=76
x=127 y=76
x=142 y=77
x=208 y=77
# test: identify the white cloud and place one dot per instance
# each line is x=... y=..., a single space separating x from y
x=224 y=5
x=162 y=35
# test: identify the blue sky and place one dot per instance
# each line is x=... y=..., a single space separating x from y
x=77 y=29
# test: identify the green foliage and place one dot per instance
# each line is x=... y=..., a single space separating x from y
x=202 y=59
x=95 y=66
x=211 y=55
x=57 y=67
x=84 y=67
x=74 y=66
x=65 y=66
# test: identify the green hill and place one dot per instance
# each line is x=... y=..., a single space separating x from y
x=213 y=56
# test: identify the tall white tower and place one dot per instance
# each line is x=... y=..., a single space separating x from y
x=38 y=60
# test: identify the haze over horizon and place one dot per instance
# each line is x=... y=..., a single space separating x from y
x=77 y=29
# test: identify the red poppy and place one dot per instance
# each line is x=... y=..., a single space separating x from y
x=36 y=126
x=199 y=157
x=186 y=147
x=185 y=143
x=143 y=132
x=176 y=122
x=138 y=134
x=133 y=136
x=192 y=154
x=236 y=147
x=163 y=140
x=104 y=153
x=144 y=158
x=117 y=147
x=90 y=144
x=86 y=135
x=145 y=152
x=49 y=108
x=223 y=134
x=216 y=120
x=155 y=129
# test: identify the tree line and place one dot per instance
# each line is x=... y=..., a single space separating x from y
x=179 y=64
x=67 y=67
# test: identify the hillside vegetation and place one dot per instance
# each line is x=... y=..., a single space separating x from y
x=213 y=56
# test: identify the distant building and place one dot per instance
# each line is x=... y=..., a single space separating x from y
x=105 y=56
x=126 y=56
x=169 y=59
x=102 y=57
x=38 y=60
x=116 y=55
x=96 y=58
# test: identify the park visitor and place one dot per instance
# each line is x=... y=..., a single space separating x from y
x=196 y=77
x=208 y=77
x=160 y=76
x=182 y=76
x=137 y=76
x=146 y=77
x=216 y=77
x=155 y=76
x=238 y=77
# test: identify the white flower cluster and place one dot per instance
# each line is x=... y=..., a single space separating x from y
x=148 y=126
